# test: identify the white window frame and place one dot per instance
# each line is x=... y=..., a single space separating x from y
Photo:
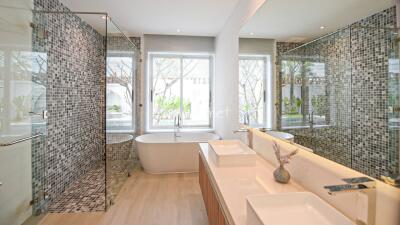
x=267 y=88
x=149 y=127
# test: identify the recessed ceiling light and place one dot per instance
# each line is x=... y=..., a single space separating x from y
x=321 y=27
x=178 y=30
x=251 y=33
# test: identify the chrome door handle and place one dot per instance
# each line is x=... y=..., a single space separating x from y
x=43 y=114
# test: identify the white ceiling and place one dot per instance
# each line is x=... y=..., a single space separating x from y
x=137 y=17
x=300 y=20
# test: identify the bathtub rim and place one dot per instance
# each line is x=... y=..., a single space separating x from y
x=137 y=139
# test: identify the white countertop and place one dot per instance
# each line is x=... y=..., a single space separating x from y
x=233 y=184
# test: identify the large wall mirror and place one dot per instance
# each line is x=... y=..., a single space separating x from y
x=333 y=85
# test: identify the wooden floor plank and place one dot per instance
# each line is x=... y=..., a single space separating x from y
x=170 y=199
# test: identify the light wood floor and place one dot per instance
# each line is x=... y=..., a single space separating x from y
x=172 y=199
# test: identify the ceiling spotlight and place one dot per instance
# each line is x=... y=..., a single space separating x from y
x=321 y=27
x=251 y=33
x=178 y=30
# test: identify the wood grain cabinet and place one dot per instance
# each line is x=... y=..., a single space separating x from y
x=214 y=210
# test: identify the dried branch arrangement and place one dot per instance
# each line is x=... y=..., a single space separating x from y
x=285 y=159
x=281 y=175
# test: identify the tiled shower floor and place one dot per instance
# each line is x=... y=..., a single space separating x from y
x=88 y=193
x=84 y=195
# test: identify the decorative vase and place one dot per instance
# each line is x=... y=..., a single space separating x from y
x=281 y=175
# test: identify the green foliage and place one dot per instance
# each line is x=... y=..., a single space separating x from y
x=187 y=106
x=246 y=107
x=298 y=103
x=319 y=104
x=170 y=105
x=292 y=106
x=114 y=108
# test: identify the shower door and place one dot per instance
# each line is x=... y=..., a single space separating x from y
x=22 y=115
x=316 y=96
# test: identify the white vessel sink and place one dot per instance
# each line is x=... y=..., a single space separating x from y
x=300 y=208
x=231 y=153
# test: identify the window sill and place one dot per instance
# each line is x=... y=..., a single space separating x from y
x=304 y=127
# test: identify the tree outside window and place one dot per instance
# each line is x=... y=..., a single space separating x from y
x=180 y=86
x=119 y=102
x=303 y=93
x=252 y=75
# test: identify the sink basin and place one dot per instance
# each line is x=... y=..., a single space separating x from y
x=231 y=153
x=300 y=208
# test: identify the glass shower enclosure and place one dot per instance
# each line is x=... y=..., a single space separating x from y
x=340 y=97
x=63 y=77
x=23 y=114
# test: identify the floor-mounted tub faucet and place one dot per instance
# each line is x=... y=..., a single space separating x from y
x=311 y=119
x=246 y=119
x=177 y=125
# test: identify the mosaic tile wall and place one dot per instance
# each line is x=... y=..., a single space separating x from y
x=356 y=62
x=120 y=147
x=370 y=127
x=75 y=95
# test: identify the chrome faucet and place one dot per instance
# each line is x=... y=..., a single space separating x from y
x=361 y=184
x=177 y=125
x=352 y=184
x=246 y=119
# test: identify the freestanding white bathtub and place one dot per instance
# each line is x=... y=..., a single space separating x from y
x=163 y=153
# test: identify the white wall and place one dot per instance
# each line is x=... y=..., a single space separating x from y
x=171 y=43
x=256 y=46
x=227 y=68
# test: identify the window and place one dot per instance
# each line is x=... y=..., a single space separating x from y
x=304 y=94
x=252 y=89
x=180 y=84
x=119 y=100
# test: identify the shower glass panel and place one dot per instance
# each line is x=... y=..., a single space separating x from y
x=393 y=96
x=55 y=73
x=122 y=58
x=23 y=72
x=340 y=97
x=73 y=154
x=316 y=96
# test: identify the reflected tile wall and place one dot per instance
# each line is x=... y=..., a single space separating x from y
x=357 y=74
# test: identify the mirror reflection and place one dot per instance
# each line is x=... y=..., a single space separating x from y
x=334 y=89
